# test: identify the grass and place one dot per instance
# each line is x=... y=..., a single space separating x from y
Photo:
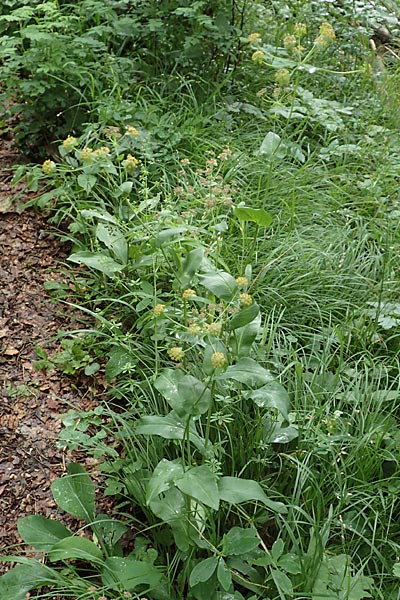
x=323 y=437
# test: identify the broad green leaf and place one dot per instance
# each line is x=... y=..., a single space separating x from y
x=255 y=215
x=75 y=493
x=168 y=235
x=224 y=575
x=76 y=547
x=86 y=182
x=170 y=427
x=221 y=284
x=203 y=571
x=108 y=530
x=272 y=395
x=396 y=569
x=335 y=581
x=101 y=262
x=41 y=533
x=239 y=541
x=236 y=490
x=127 y=574
x=171 y=508
x=114 y=239
x=244 y=317
x=102 y=216
x=244 y=338
x=290 y=563
x=272 y=146
x=164 y=476
x=282 y=582
x=190 y=266
x=119 y=358
x=200 y=484
x=281 y=435
x=186 y=394
x=247 y=371
x=15 y=584
x=277 y=549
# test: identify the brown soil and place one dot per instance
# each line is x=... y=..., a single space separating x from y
x=30 y=400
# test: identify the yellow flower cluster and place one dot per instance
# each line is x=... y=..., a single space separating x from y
x=246 y=299
x=132 y=130
x=193 y=329
x=214 y=329
x=253 y=37
x=282 y=77
x=102 y=151
x=69 y=143
x=289 y=41
x=176 y=353
x=258 y=56
x=326 y=34
x=86 y=154
x=48 y=167
x=242 y=281
x=130 y=163
x=187 y=294
x=218 y=360
x=300 y=29
x=158 y=309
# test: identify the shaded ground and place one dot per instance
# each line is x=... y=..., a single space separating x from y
x=30 y=400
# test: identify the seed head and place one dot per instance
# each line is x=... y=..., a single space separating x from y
x=218 y=360
x=69 y=143
x=48 y=167
x=258 y=57
x=246 y=299
x=158 y=309
x=187 y=294
x=242 y=281
x=215 y=329
x=176 y=353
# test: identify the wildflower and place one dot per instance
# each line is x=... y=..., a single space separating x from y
x=69 y=143
x=300 y=29
x=282 y=77
x=102 y=151
x=194 y=329
x=289 y=41
x=226 y=152
x=215 y=329
x=176 y=353
x=159 y=309
x=48 y=167
x=253 y=37
x=246 y=299
x=187 y=294
x=242 y=281
x=326 y=35
x=86 y=154
x=299 y=49
x=218 y=360
x=132 y=130
x=185 y=161
x=258 y=56
x=130 y=163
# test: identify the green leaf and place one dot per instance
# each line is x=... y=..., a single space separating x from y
x=171 y=508
x=86 y=181
x=272 y=395
x=108 y=530
x=92 y=368
x=277 y=549
x=75 y=493
x=224 y=575
x=167 y=235
x=203 y=571
x=76 y=547
x=335 y=581
x=164 y=476
x=240 y=541
x=282 y=582
x=245 y=316
x=41 y=533
x=200 y=484
x=127 y=574
x=119 y=359
x=170 y=427
x=245 y=337
x=186 y=394
x=247 y=371
x=290 y=563
x=221 y=284
x=272 y=146
x=396 y=569
x=255 y=215
x=15 y=584
x=190 y=266
x=236 y=490
x=114 y=239
x=101 y=262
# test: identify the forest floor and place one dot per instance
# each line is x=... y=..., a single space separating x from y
x=31 y=400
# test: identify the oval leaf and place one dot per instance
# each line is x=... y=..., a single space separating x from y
x=41 y=533
x=221 y=284
x=200 y=484
x=255 y=215
x=100 y=262
x=128 y=573
x=235 y=490
x=203 y=571
x=76 y=547
x=75 y=493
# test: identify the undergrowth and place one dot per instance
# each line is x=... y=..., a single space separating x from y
x=235 y=223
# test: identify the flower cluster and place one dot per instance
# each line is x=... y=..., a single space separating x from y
x=49 y=167
x=326 y=35
x=258 y=57
x=159 y=309
x=176 y=353
x=132 y=131
x=130 y=163
x=218 y=360
x=69 y=143
x=253 y=37
x=282 y=77
x=188 y=294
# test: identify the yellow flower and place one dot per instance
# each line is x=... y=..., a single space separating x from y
x=215 y=329
x=327 y=31
x=253 y=37
x=194 y=329
x=258 y=56
x=48 y=167
x=158 y=309
x=246 y=299
x=282 y=77
x=176 y=353
x=130 y=163
x=218 y=360
x=242 y=281
x=102 y=151
x=69 y=143
x=86 y=154
x=289 y=41
x=132 y=130
x=187 y=294
x=300 y=29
